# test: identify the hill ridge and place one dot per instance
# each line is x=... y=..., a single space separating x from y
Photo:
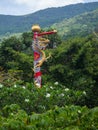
x=47 y=17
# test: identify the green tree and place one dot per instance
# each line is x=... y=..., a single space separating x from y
x=13 y=59
x=75 y=64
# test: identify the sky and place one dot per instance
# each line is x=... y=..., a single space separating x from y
x=23 y=7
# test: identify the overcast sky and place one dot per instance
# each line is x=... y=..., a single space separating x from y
x=22 y=7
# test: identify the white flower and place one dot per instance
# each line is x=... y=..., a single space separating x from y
x=56 y=83
x=15 y=86
x=23 y=87
x=12 y=114
x=27 y=100
x=79 y=111
x=51 y=87
x=1 y=85
x=48 y=95
x=62 y=94
x=66 y=89
x=84 y=93
x=38 y=85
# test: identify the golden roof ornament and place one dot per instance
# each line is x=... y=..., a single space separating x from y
x=36 y=28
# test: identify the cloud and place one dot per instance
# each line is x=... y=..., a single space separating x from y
x=35 y=5
x=48 y=3
x=90 y=0
x=20 y=7
x=21 y=2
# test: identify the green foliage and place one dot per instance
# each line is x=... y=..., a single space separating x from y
x=74 y=60
x=15 y=59
x=32 y=99
x=55 y=39
x=67 y=118
x=75 y=64
x=27 y=39
x=80 y=25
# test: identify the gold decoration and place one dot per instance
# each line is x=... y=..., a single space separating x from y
x=36 y=28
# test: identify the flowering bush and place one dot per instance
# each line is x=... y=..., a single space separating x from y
x=25 y=107
x=32 y=99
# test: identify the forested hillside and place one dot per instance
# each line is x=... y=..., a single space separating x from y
x=47 y=17
x=80 y=25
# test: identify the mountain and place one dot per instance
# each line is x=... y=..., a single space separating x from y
x=81 y=25
x=14 y=24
